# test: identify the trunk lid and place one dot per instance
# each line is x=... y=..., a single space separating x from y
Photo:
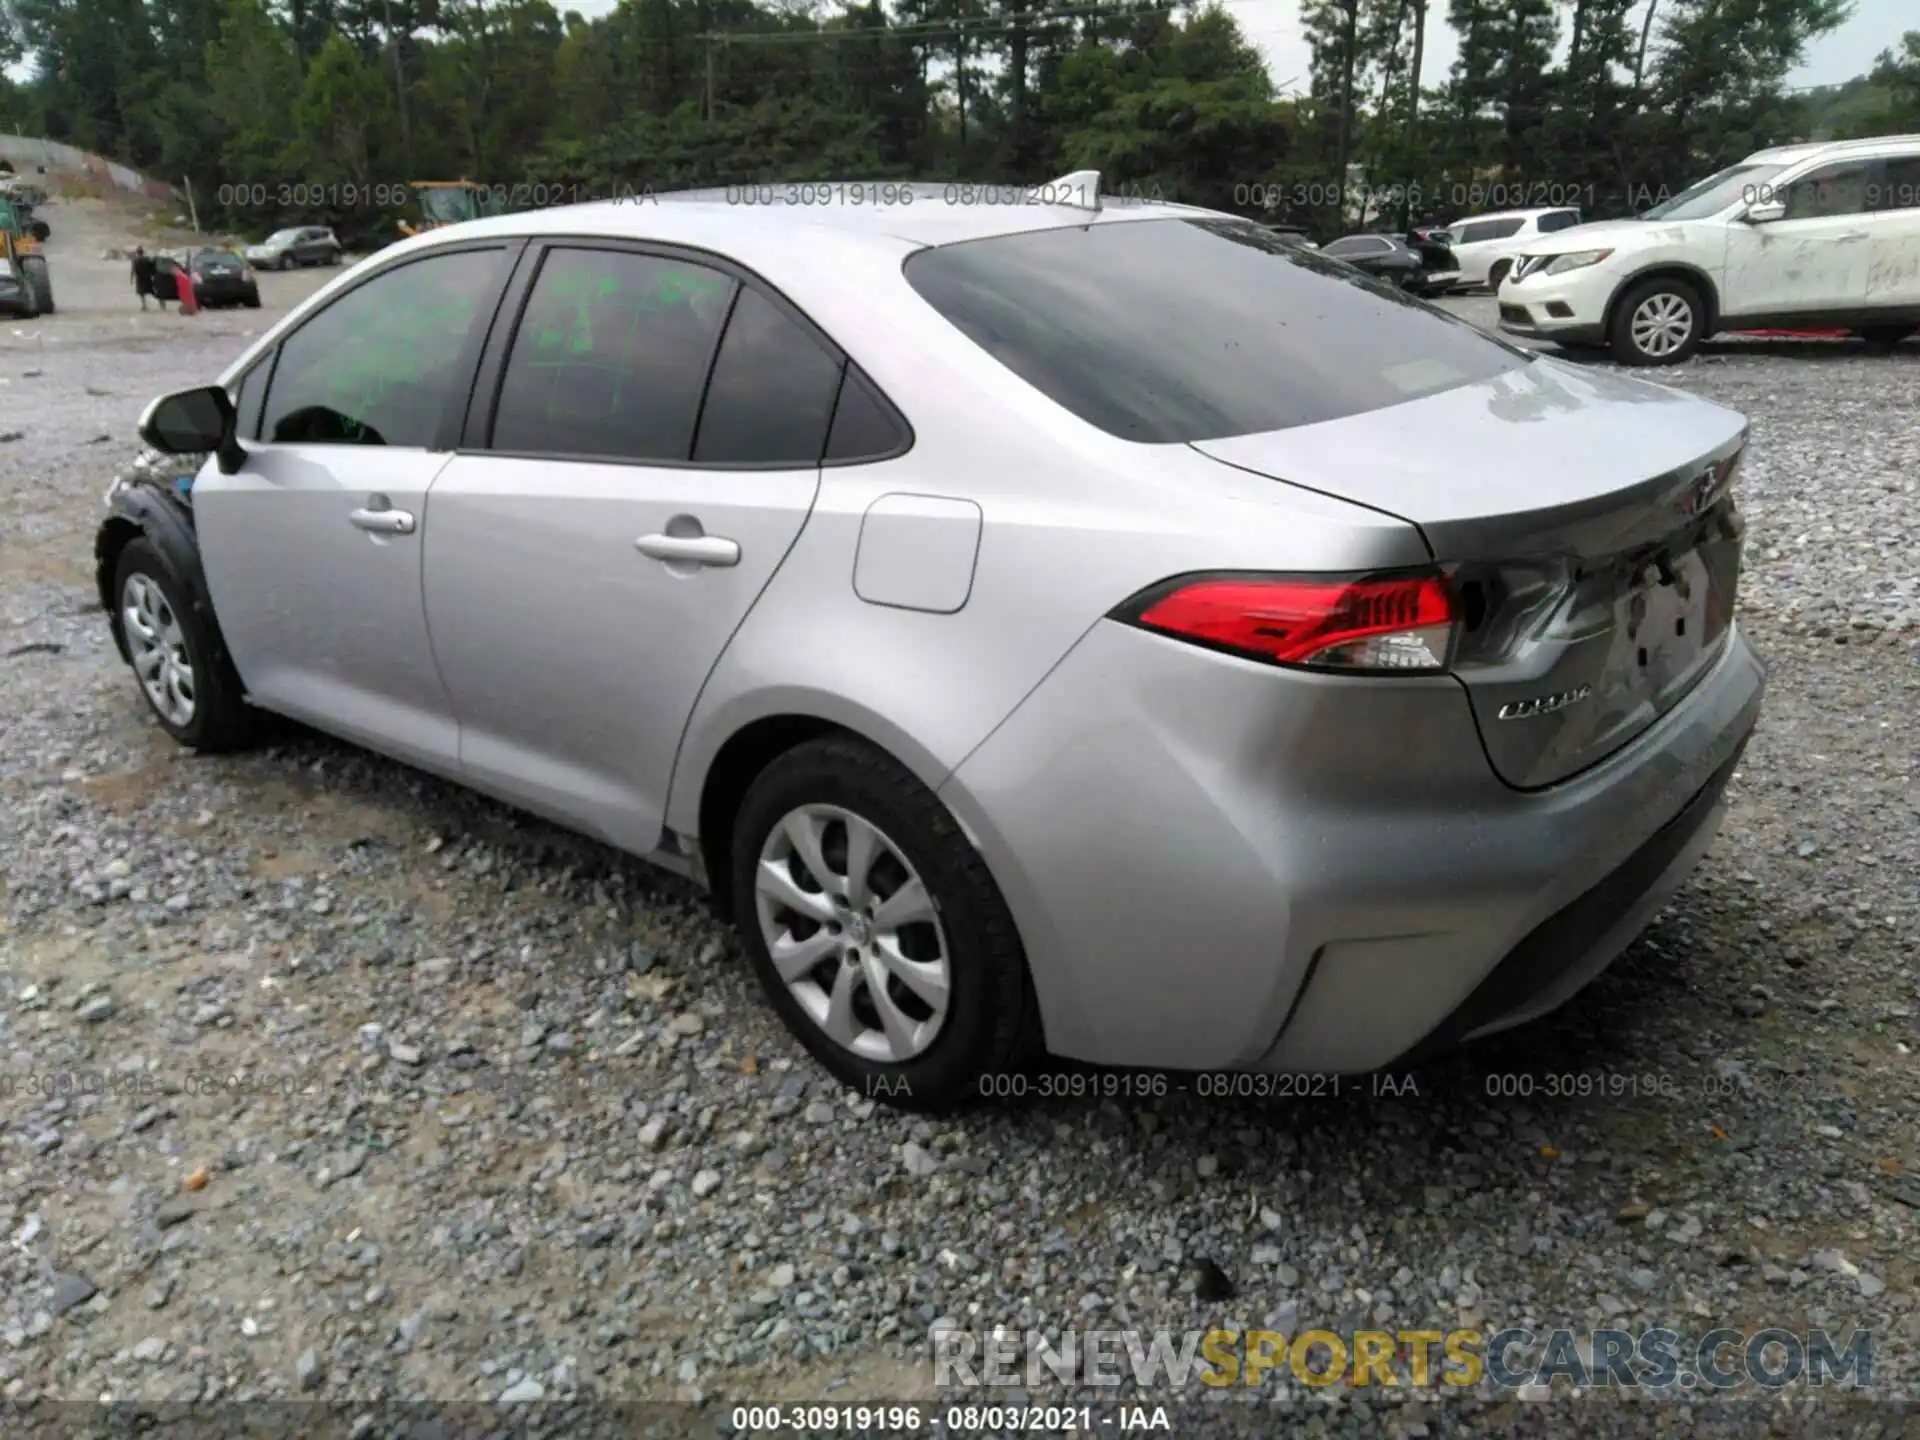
x=1587 y=522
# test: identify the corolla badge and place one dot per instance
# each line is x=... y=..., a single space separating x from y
x=1702 y=491
x=1543 y=704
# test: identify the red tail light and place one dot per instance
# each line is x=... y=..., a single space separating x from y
x=1356 y=624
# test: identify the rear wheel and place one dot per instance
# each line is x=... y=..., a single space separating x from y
x=252 y=300
x=875 y=928
x=1497 y=274
x=39 y=282
x=183 y=668
x=1658 y=322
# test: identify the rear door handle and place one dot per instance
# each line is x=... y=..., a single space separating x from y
x=383 y=522
x=689 y=549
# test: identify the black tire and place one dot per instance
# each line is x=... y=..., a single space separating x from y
x=991 y=1024
x=1669 y=292
x=1884 y=337
x=252 y=302
x=1497 y=274
x=33 y=270
x=221 y=719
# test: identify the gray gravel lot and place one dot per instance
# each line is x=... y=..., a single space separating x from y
x=485 y=1110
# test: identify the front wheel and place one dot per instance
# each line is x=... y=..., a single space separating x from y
x=182 y=666
x=1498 y=274
x=875 y=928
x=1658 y=322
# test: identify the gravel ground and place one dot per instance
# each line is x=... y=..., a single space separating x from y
x=389 y=1093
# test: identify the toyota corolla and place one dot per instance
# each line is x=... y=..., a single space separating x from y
x=1041 y=623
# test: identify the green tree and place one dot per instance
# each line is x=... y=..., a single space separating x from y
x=1897 y=77
x=1715 y=93
x=344 y=113
x=1191 y=119
x=252 y=77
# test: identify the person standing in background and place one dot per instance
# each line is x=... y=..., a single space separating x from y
x=143 y=269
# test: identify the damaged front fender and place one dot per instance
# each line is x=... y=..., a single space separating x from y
x=150 y=498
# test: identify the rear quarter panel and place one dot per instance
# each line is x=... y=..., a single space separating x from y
x=1073 y=522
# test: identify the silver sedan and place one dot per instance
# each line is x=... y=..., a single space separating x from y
x=1044 y=623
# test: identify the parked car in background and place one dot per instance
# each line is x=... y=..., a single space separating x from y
x=1393 y=260
x=1292 y=234
x=1484 y=246
x=559 y=504
x=1794 y=238
x=1435 y=244
x=302 y=245
x=221 y=277
x=169 y=276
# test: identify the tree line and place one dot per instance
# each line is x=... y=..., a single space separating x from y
x=283 y=111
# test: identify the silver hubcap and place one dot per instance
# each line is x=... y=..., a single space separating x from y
x=1661 y=324
x=159 y=650
x=853 y=933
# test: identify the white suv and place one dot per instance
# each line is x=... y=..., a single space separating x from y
x=1484 y=245
x=1805 y=235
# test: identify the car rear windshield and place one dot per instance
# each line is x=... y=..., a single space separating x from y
x=1196 y=329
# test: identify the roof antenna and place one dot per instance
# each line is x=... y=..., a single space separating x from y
x=1081 y=190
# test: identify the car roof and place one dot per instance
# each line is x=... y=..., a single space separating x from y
x=915 y=214
x=1786 y=154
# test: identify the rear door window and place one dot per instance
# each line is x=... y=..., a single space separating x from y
x=1481 y=230
x=611 y=357
x=771 y=398
x=1180 y=330
x=1899 y=184
x=1559 y=220
x=865 y=424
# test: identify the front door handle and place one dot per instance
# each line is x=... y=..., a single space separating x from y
x=383 y=522
x=689 y=549
x=1854 y=235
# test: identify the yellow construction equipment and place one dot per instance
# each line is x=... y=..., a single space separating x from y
x=21 y=246
x=449 y=202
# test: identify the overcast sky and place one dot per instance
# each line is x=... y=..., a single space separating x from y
x=1274 y=25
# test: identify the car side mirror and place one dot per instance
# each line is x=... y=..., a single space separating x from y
x=1766 y=213
x=193 y=422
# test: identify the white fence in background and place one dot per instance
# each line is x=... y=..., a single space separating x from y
x=26 y=152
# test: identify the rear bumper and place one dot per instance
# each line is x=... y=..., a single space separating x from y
x=1559 y=956
x=1214 y=864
